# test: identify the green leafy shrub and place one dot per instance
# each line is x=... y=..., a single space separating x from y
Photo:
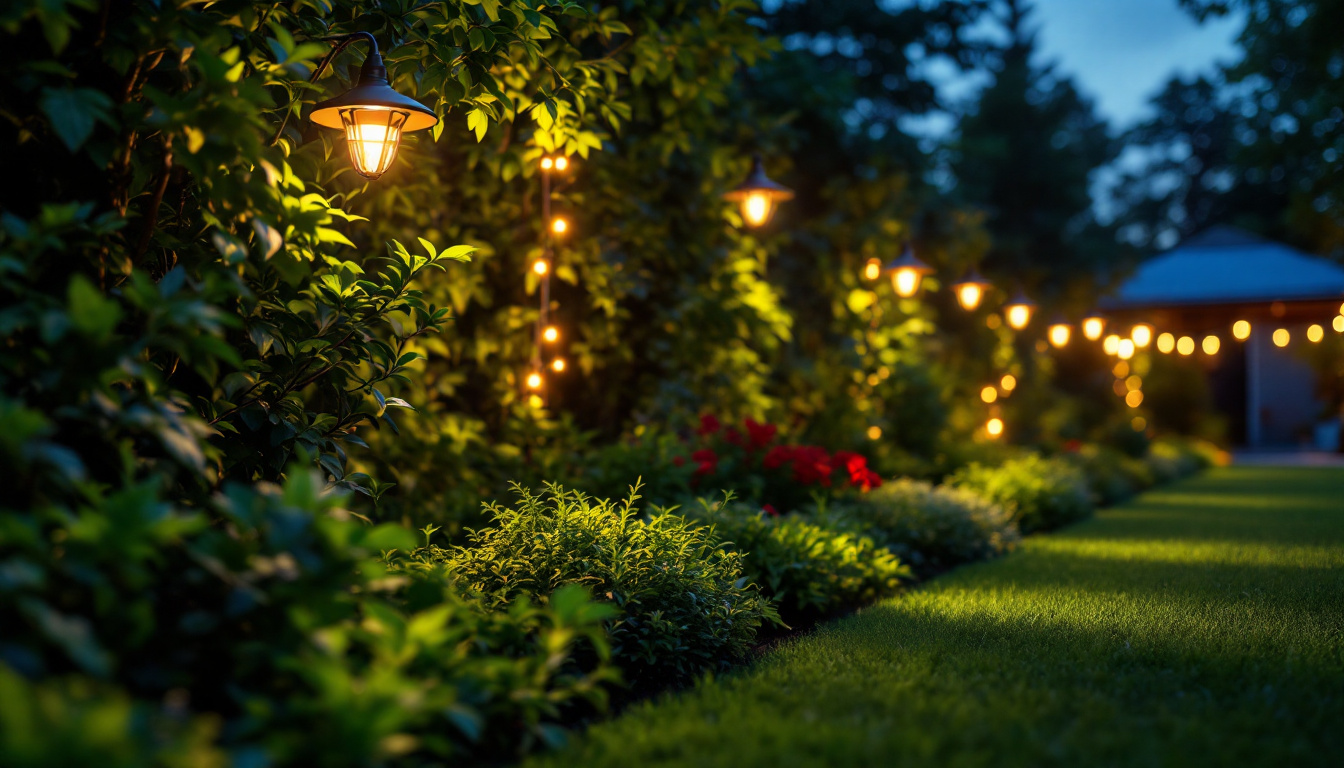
x=809 y=568
x=933 y=527
x=1039 y=493
x=1112 y=475
x=1171 y=459
x=682 y=604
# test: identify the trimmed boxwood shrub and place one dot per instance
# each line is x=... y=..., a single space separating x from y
x=683 y=606
x=933 y=527
x=1112 y=475
x=1040 y=493
x=811 y=569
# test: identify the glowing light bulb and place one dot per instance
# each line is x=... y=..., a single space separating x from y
x=1121 y=369
x=547 y=163
x=1315 y=333
x=1211 y=345
x=969 y=296
x=906 y=282
x=561 y=163
x=1111 y=345
x=372 y=136
x=1008 y=382
x=1134 y=399
x=873 y=269
x=756 y=208
x=1281 y=337
x=1338 y=324
x=994 y=427
x=1185 y=345
x=1241 y=330
x=1093 y=328
x=1141 y=335
x=1059 y=334
x=874 y=433
x=540 y=266
x=534 y=381
x=1133 y=383
x=1125 y=349
x=558 y=365
x=559 y=225
x=551 y=333
x=1019 y=315
x=1166 y=343
x=989 y=394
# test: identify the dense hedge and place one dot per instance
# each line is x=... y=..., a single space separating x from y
x=1039 y=493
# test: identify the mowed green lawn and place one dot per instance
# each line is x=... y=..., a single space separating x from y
x=1201 y=624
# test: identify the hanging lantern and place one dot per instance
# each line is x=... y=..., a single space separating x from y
x=1093 y=326
x=872 y=269
x=1241 y=330
x=1059 y=333
x=907 y=272
x=1019 y=310
x=970 y=290
x=758 y=195
x=1166 y=342
x=372 y=115
x=551 y=334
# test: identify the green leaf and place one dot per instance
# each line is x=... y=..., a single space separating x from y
x=478 y=122
x=73 y=112
x=91 y=313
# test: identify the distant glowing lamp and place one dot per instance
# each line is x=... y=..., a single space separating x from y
x=1185 y=345
x=907 y=273
x=874 y=433
x=970 y=290
x=994 y=427
x=1338 y=324
x=1211 y=345
x=1315 y=333
x=1125 y=349
x=1111 y=345
x=559 y=226
x=1241 y=330
x=1166 y=343
x=1019 y=311
x=540 y=267
x=1141 y=335
x=989 y=394
x=1093 y=326
x=873 y=269
x=534 y=380
x=1059 y=333
x=1008 y=382
x=372 y=115
x=758 y=195
x=1134 y=399
x=1281 y=337
x=558 y=365
x=551 y=333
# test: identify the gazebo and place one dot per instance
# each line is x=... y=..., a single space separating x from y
x=1224 y=275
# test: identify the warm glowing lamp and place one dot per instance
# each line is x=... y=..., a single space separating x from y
x=874 y=433
x=1166 y=343
x=994 y=427
x=1018 y=311
x=1338 y=324
x=534 y=380
x=559 y=226
x=1111 y=344
x=758 y=195
x=1141 y=335
x=1185 y=345
x=970 y=290
x=907 y=272
x=372 y=115
x=1315 y=333
x=1281 y=337
x=1125 y=349
x=1059 y=333
x=1211 y=345
x=551 y=333
x=989 y=394
x=540 y=266
x=1093 y=326
x=1241 y=330
x=558 y=365
x=873 y=269
x=1008 y=382
x=1134 y=399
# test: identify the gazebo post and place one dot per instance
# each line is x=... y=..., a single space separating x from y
x=1253 y=389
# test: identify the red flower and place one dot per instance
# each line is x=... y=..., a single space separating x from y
x=1073 y=446
x=733 y=436
x=812 y=465
x=777 y=457
x=770 y=510
x=709 y=425
x=706 y=461
x=679 y=461
x=759 y=435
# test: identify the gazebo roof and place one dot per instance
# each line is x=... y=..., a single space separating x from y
x=1226 y=265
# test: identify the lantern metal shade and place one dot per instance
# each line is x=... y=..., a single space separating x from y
x=758 y=194
x=970 y=290
x=907 y=272
x=373 y=116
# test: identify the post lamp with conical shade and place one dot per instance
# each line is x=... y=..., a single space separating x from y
x=970 y=290
x=907 y=273
x=1019 y=310
x=759 y=195
x=372 y=114
x=1093 y=326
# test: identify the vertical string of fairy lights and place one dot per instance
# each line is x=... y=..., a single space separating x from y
x=545 y=333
